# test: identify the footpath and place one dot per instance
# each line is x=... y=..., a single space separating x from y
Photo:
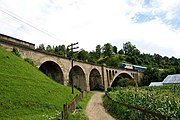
x=95 y=109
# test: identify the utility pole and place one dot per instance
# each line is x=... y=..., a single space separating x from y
x=71 y=56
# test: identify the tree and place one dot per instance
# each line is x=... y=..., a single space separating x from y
x=132 y=59
x=41 y=47
x=130 y=49
x=92 y=57
x=113 y=61
x=83 y=55
x=107 y=50
x=49 y=49
x=60 y=50
x=167 y=72
x=63 y=50
x=98 y=51
x=121 y=52
x=151 y=75
x=114 y=49
x=158 y=58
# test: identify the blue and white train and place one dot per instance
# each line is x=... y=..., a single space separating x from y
x=132 y=67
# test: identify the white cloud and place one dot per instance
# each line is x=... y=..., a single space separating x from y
x=93 y=22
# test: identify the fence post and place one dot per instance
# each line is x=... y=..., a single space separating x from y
x=72 y=105
x=62 y=115
x=65 y=109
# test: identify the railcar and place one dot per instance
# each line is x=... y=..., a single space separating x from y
x=132 y=67
x=139 y=68
x=126 y=66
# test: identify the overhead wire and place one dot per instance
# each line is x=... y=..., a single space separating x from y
x=22 y=20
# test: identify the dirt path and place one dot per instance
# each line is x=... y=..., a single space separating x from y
x=95 y=109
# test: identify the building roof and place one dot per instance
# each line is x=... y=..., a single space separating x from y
x=172 y=79
x=156 y=84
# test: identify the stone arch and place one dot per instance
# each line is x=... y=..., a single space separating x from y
x=53 y=70
x=95 y=79
x=122 y=74
x=78 y=76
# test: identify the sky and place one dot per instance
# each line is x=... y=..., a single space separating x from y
x=153 y=26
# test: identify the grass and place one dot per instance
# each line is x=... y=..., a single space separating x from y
x=26 y=93
x=80 y=109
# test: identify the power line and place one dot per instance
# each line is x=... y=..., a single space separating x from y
x=18 y=18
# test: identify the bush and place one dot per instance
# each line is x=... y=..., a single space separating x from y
x=16 y=51
x=29 y=60
x=123 y=82
x=99 y=87
x=109 y=89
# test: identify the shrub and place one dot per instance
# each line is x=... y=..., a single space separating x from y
x=99 y=87
x=109 y=89
x=16 y=51
x=29 y=60
x=123 y=82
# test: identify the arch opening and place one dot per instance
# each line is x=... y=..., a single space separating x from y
x=52 y=70
x=95 y=80
x=108 y=80
x=123 y=80
x=78 y=76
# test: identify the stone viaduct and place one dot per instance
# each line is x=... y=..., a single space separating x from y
x=86 y=76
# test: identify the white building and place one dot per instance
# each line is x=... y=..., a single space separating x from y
x=170 y=79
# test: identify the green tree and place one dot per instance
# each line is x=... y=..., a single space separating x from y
x=92 y=57
x=83 y=55
x=130 y=49
x=98 y=51
x=41 y=47
x=151 y=75
x=121 y=51
x=113 y=61
x=132 y=60
x=158 y=59
x=60 y=50
x=49 y=49
x=166 y=72
x=107 y=50
x=114 y=49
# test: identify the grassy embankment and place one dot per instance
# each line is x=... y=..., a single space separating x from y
x=26 y=93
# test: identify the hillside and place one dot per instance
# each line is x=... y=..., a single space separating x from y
x=26 y=93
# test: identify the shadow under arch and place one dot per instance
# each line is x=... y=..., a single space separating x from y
x=52 y=70
x=119 y=76
x=95 y=80
x=78 y=76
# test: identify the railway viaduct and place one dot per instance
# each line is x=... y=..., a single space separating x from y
x=86 y=76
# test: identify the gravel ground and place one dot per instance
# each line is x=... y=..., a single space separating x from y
x=95 y=109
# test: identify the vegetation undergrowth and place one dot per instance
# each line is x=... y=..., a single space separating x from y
x=28 y=94
x=163 y=99
x=79 y=114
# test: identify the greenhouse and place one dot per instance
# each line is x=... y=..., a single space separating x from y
x=156 y=84
x=172 y=79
